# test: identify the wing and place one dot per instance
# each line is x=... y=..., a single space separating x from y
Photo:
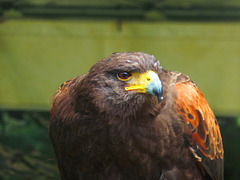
x=62 y=131
x=202 y=127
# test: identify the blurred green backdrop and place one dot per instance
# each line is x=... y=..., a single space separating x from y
x=38 y=53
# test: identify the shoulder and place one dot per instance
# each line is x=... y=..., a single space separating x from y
x=173 y=77
x=62 y=99
x=201 y=126
x=170 y=80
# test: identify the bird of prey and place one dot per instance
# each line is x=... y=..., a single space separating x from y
x=129 y=119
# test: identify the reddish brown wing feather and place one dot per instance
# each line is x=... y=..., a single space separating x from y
x=201 y=122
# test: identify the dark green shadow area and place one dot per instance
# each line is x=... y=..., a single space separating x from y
x=25 y=149
x=26 y=152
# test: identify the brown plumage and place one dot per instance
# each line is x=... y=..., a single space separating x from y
x=127 y=118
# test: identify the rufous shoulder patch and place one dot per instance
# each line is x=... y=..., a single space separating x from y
x=200 y=120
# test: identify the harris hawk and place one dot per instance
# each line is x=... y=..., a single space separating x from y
x=129 y=119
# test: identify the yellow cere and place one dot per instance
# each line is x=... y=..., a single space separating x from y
x=139 y=81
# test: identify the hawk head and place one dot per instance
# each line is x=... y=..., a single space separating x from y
x=123 y=82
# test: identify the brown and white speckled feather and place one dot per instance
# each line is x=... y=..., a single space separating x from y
x=100 y=131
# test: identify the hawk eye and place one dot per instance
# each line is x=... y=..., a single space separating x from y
x=124 y=76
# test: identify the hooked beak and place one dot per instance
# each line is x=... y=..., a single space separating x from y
x=147 y=82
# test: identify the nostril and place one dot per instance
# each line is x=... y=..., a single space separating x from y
x=148 y=79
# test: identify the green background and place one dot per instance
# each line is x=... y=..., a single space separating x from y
x=36 y=56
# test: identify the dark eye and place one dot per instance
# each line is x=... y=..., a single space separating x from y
x=124 y=76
